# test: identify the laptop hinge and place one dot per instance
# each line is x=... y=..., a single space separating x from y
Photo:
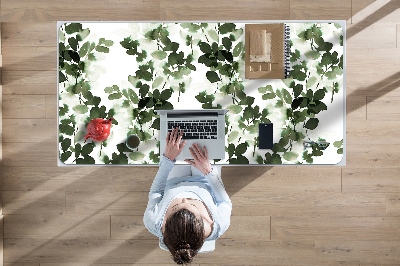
x=188 y=114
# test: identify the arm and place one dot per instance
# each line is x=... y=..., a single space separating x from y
x=213 y=177
x=222 y=199
x=173 y=148
x=156 y=194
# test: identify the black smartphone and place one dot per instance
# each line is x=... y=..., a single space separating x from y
x=265 y=136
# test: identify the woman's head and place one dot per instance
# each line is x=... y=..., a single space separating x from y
x=184 y=235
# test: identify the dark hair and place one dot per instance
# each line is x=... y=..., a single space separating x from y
x=184 y=235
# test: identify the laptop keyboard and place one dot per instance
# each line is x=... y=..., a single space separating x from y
x=196 y=129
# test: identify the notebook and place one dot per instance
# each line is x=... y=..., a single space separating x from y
x=206 y=127
x=267 y=49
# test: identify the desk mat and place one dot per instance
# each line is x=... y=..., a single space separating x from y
x=128 y=70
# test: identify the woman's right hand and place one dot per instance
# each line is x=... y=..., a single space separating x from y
x=200 y=159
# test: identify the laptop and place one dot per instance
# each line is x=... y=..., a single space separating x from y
x=206 y=127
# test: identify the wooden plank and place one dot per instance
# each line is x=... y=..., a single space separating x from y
x=85 y=251
x=24 y=106
x=356 y=108
x=325 y=9
x=369 y=12
x=224 y=10
x=335 y=228
x=383 y=108
x=359 y=36
x=40 y=130
x=393 y=204
x=365 y=155
x=364 y=252
x=285 y=179
x=114 y=264
x=21 y=264
x=309 y=204
x=129 y=227
x=31 y=154
x=51 y=106
x=358 y=6
x=107 y=203
x=364 y=75
x=381 y=180
x=257 y=228
x=34 y=61
x=29 y=34
x=33 y=202
x=30 y=82
x=42 y=10
x=228 y=252
x=96 y=178
x=373 y=131
x=53 y=226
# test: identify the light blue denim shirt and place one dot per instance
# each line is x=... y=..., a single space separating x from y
x=209 y=188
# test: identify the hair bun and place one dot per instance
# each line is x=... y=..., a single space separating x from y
x=183 y=255
x=184 y=245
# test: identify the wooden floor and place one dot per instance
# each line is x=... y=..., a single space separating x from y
x=281 y=215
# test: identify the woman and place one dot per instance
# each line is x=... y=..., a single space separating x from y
x=184 y=210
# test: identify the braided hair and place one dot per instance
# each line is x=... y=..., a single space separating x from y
x=184 y=235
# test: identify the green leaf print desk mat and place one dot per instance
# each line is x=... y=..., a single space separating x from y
x=128 y=70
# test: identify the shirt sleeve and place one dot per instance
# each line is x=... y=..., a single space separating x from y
x=222 y=199
x=156 y=194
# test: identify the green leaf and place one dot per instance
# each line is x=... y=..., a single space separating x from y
x=338 y=144
x=65 y=156
x=238 y=49
x=84 y=49
x=166 y=94
x=212 y=76
x=295 y=56
x=273 y=158
x=227 y=43
x=157 y=82
x=85 y=160
x=78 y=149
x=73 y=43
x=156 y=124
x=232 y=136
x=115 y=96
x=65 y=144
x=84 y=33
x=239 y=160
x=159 y=55
x=313 y=55
x=102 y=49
x=136 y=156
x=235 y=109
x=319 y=95
x=205 y=47
x=214 y=35
x=241 y=148
x=61 y=77
x=290 y=156
x=73 y=27
x=107 y=43
x=81 y=109
x=226 y=28
x=298 y=88
x=312 y=123
x=268 y=96
x=87 y=149
x=287 y=96
x=310 y=82
x=340 y=151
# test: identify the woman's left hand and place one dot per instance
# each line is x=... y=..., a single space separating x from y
x=174 y=144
